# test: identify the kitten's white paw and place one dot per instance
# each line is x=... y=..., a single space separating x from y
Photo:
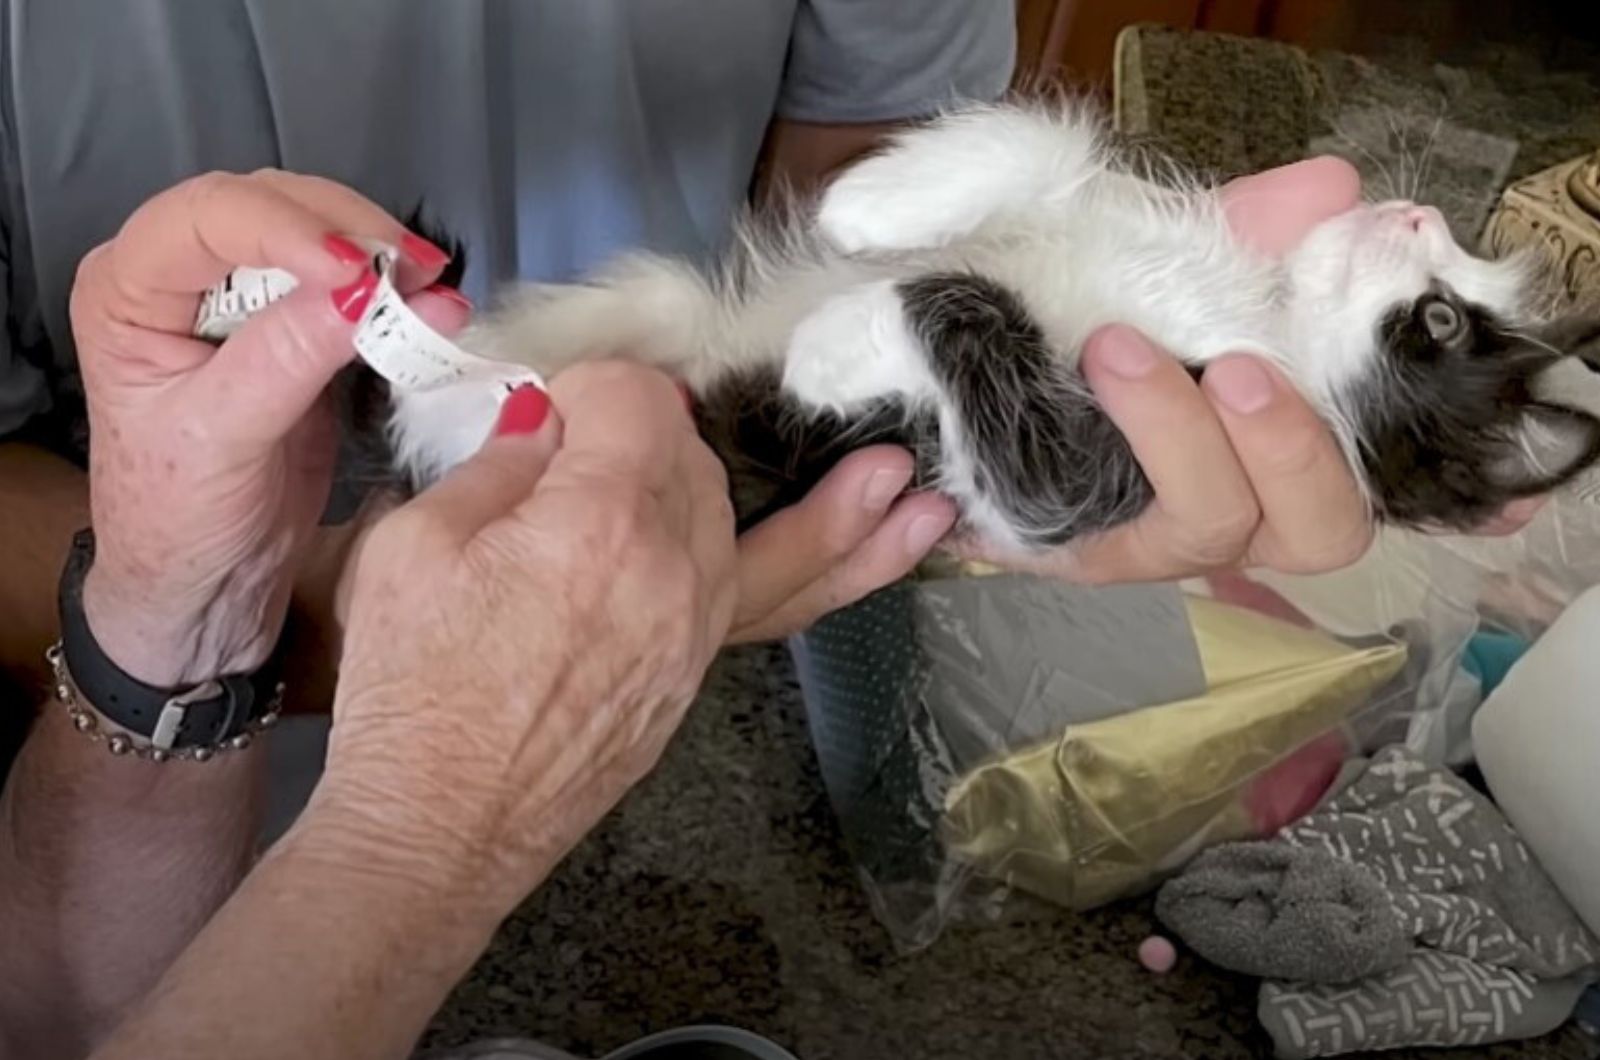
x=887 y=203
x=856 y=349
x=950 y=179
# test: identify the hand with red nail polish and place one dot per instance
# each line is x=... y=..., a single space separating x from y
x=210 y=465
x=525 y=636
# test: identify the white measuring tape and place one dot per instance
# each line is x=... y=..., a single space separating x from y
x=389 y=336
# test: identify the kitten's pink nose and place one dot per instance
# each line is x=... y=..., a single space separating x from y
x=1416 y=217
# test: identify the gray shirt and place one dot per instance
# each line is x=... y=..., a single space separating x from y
x=546 y=134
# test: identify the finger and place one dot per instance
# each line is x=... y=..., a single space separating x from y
x=191 y=236
x=349 y=212
x=257 y=385
x=621 y=421
x=794 y=547
x=1512 y=518
x=1314 y=517
x=890 y=552
x=372 y=513
x=441 y=310
x=623 y=434
x=1204 y=511
x=500 y=476
x=1274 y=210
x=711 y=543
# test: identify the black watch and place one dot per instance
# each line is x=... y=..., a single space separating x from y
x=157 y=722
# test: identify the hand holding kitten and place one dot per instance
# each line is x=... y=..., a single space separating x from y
x=1245 y=471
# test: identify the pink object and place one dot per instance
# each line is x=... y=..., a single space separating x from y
x=1291 y=788
x=1230 y=587
x=1158 y=955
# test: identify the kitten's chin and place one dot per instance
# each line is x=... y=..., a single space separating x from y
x=1350 y=268
x=1319 y=267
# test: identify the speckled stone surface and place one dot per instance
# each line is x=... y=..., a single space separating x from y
x=1228 y=105
x=1450 y=133
x=720 y=890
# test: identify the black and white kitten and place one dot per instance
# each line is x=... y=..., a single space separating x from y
x=939 y=295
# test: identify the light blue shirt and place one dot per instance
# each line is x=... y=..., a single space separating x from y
x=546 y=134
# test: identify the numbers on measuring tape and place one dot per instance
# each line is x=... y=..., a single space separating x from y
x=390 y=337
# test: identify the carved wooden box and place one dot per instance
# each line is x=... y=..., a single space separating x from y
x=1556 y=211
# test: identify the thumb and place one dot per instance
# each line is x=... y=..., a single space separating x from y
x=1274 y=210
x=503 y=473
x=269 y=373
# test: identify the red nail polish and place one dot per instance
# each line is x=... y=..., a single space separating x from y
x=423 y=252
x=351 y=300
x=344 y=251
x=451 y=294
x=524 y=412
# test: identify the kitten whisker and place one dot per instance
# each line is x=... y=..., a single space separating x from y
x=1537 y=343
x=1377 y=163
x=1428 y=154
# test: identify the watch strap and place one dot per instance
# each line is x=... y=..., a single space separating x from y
x=206 y=715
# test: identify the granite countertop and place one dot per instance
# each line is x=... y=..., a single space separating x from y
x=720 y=891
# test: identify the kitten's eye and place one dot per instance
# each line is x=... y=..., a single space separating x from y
x=1442 y=320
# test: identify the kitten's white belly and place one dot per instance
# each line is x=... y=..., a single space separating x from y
x=1196 y=302
x=835 y=324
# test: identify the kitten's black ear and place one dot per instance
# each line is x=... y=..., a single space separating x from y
x=1549 y=446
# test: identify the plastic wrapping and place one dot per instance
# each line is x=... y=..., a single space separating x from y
x=982 y=733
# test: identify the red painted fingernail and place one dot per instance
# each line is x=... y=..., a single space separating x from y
x=351 y=300
x=451 y=294
x=423 y=252
x=524 y=412
x=344 y=251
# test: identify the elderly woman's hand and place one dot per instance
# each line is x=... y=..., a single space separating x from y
x=524 y=636
x=209 y=466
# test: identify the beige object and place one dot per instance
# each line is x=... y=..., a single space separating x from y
x=1109 y=807
x=1557 y=213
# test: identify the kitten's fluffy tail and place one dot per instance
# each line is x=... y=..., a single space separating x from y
x=695 y=323
x=644 y=307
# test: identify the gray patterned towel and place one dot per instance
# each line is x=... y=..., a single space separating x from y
x=1434 y=999
x=1495 y=953
x=1281 y=912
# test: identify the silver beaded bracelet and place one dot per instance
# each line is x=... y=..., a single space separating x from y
x=120 y=742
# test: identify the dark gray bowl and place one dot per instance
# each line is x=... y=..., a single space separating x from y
x=684 y=1043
